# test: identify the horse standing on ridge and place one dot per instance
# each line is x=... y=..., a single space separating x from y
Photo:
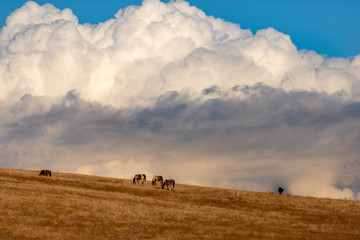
x=168 y=182
x=45 y=173
x=139 y=177
x=157 y=179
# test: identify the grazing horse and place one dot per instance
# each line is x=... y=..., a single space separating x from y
x=45 y=173
x=157 y=179
x=168 y=182
x=280 y=190
x=139 y=177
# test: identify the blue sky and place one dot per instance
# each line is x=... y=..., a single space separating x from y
x=330 y=27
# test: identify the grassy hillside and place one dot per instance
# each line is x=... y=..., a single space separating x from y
x=71 y=206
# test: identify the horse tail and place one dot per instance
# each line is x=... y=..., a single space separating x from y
x=50 y=173
x=174 y=184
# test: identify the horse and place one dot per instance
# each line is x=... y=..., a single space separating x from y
x=45 y=173
x=139 y=177
x=157 y=179
x=168 y=182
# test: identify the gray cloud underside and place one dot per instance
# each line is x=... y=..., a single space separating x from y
x=261 y=138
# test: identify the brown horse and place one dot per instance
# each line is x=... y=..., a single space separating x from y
x=168 y=182
x=157 y=179
x=139 y=177
x=45 y=173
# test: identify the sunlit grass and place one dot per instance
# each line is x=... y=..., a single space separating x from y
x=87 y=207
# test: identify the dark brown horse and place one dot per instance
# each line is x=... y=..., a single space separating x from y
x=168 y=182
x=45 y=173
x=139 y=177
x=157 y=179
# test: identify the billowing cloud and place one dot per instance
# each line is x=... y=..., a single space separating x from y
x=165 y=89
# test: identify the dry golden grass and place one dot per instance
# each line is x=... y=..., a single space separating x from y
x=72 y=206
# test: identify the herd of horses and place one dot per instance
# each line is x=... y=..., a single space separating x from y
x=137 y=179
x=142 y=178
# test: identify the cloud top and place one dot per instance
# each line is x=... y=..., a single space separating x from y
x=168 y=46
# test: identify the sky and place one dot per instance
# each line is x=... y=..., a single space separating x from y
x=174 y=89
x=328 y=27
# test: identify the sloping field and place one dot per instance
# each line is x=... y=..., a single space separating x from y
x=71 y=206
